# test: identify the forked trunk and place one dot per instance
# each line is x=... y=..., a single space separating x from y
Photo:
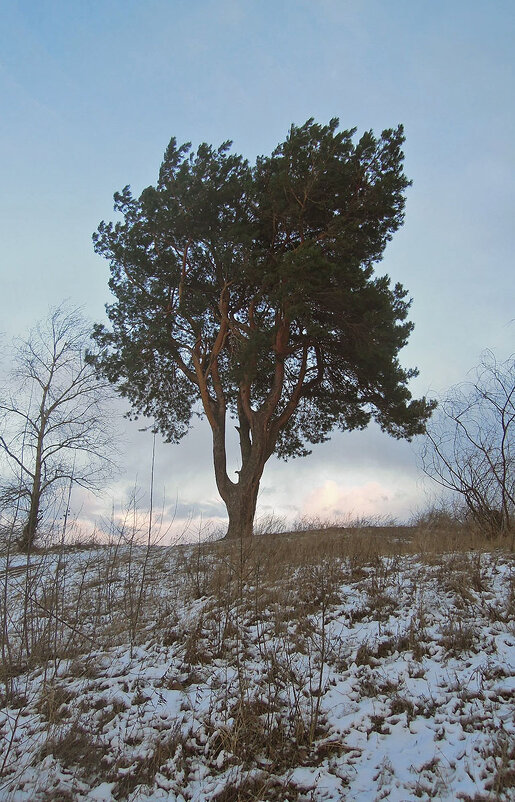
x=240 y=497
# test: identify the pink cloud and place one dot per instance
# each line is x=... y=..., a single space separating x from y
x=334 y=500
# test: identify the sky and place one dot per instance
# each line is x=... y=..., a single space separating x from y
x=91 y=93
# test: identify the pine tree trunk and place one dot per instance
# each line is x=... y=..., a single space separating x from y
x=241 y=507
x=240 y=497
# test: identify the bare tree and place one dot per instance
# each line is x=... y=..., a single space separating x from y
x=54 y=421
x=470 y=444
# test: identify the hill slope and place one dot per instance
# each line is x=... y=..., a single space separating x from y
x=346 y=666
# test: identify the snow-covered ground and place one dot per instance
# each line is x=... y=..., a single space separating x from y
x=271 y=672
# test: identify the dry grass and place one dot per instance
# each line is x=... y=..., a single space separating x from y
x=274 y=596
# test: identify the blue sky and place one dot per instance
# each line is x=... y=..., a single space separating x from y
x=91 y=93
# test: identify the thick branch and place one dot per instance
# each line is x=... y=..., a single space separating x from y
x=274 y=396
x=295 y=397
x=218 y=346
x=244 y=433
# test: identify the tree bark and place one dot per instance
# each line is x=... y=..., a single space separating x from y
x=241 y=508
x=30 y=528
x=240 y=497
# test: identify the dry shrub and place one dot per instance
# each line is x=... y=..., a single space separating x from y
x=75 y=748
x=319 y=586
x=257 y=733
x=56 y=795
x=85 y=667
x=262 y=788
x=108 y=710
x=140 y=770
x=463 y=575
x=371 y=685
x=458 y=637
x=500 y=760
x=400 y=705
x=53 y=703
x=503 y=753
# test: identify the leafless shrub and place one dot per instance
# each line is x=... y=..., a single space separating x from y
x=441 y=516
x=255 y=788
x=458 y=637
x=53 y=703
x=501 y=755
x=142 y=769
x=74 y=747
x=470 y=446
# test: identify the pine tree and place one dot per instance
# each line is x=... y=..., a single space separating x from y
x=248 y=291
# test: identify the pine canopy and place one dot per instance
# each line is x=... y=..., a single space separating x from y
x=252 y=289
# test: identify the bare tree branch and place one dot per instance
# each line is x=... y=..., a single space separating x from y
x=55 y=422
x=470 y=445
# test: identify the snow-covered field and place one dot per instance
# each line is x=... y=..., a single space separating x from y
x=296 y=669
